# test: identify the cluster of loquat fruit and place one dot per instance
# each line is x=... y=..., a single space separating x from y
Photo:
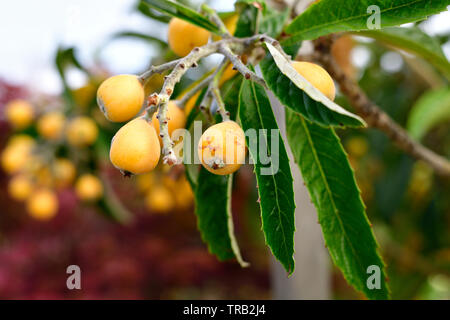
x=36 y=171
x=136 y=147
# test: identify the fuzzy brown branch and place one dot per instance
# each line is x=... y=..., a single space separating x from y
x=372 y=114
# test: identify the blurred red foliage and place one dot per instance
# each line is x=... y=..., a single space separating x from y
x=156 y=257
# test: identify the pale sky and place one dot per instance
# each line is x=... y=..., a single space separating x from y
x=30 y=32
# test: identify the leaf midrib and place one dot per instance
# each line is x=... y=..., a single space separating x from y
x=252 y=86
x=315 y=27
x=330 y=194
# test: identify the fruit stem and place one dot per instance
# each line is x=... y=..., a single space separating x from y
x=214 y=88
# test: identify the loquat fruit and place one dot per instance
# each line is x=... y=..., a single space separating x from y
x=221 y=148
x=153 y=84
x=183 y=194
x=44 y=177
x=176 y=116
x=88 y=187
x=230 y=24
x=135 y=148
x=81 y=131
x=145 y=181
x=15 y=157
x=184 y=36
x=84 y=95
x=227 y=74
x=317 y=76
x=22 y=140
x=20 y=187
x=42 y=204
x=357 y=146
x=51 y=125
x=190 y=104
x=121 y=97
x=159 y=199
x=64 y=172
x=19 y=113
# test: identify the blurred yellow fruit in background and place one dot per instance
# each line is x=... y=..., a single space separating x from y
x=44 y=177
x=221 y=148
x=15 y=156
x=84 y=95
x=230 y=24
x=184 y=36
x=121 y=97
x=227 y=74
x=183 y=194
x=190 y=104
x=135 y=148
x=89 y=188
x=176 y=116
x=145 y=181
x=159 y=199
x=317 y=76
x=357 y=146
x=51 y=125
x=421 y=180
x=19 y=113
x=153 y=84
x=81 y=131
x=22 y=140
x=64 y=172
x=20 y=187
x=42 y=204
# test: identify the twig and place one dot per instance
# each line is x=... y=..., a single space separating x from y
x=163 y=98
x=237 y=63
x=230 y=47
x=158 y=69
x=373 y=115
x=214 y=88
x=199 y=86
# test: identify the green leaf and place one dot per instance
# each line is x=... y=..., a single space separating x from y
x=331 y=16
x=430 y=109
x=247 y=22
x=226 y=15
x=273 y=22
x=291 y=49
x=213 y=209
x=297 y=93
x=176 y=9
x=414 y=41
x=65 y=57
x=142 y=36
x=274 y=178
x=149 y=12
x=256 y=17
x=332 y=186
x=230 y=94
